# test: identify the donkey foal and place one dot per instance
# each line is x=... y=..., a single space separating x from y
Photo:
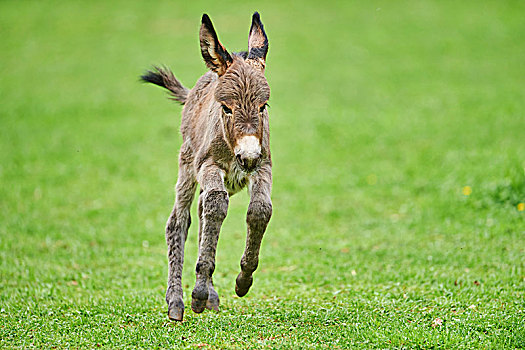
x=226 y=146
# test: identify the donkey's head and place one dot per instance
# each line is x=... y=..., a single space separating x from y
x=242 y=91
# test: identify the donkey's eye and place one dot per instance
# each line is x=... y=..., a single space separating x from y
x=263 y=107
x=226 y=109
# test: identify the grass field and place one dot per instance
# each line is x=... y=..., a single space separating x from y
x=398 y=141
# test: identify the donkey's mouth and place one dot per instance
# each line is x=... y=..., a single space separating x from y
x=248 y=165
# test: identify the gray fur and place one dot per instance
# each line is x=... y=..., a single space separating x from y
x=212 y=155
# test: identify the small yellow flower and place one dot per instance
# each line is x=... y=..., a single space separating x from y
x=521 y=206
x=467 y=190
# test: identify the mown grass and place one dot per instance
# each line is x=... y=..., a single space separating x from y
x=397 y=139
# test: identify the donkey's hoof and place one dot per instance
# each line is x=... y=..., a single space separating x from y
x=213 y=302
x=199 y=296
x=212 y=305
x=243 y=284
x=175 y=314
x=176 y=311
x=198 y=305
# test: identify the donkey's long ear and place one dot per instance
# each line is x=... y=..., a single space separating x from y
x=257 y=41
x=215 y=55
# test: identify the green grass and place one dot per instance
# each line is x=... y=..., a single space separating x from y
x=381 y=114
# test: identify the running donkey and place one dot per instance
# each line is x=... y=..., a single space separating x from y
x=226 y=146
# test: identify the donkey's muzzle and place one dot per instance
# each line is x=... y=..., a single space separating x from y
x=248 y=163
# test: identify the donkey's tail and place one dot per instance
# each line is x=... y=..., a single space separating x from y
x=165 y=78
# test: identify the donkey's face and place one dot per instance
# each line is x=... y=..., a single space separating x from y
x=242 y=90
x=243 y=94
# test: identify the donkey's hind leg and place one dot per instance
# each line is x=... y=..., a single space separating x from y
x=213 y=297
x=176 y=234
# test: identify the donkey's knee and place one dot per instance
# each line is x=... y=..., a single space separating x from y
x=177 y=226
x=215 y=205
x=170 y=226
x=259 y=214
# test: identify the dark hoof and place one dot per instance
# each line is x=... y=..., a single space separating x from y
x=198 y=305
x=213 y=303
x=243 y=284
x=176 y=311
x=199 y=296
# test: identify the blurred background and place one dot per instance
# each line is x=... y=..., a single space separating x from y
x=397 y=135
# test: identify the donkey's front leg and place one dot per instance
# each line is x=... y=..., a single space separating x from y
x=213 y=298
x=257 y=218
x=176 y=233
x=214 y=199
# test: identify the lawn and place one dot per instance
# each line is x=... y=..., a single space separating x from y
x=398 y=142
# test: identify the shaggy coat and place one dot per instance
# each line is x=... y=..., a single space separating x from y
x=226 y=147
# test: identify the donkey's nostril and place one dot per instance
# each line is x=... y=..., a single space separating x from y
x=247 y=163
